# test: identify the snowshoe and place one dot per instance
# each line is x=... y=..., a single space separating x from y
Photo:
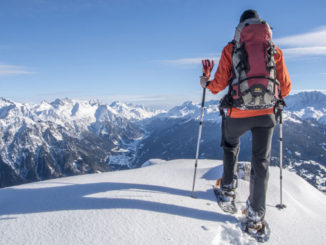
x=225 y=198
x=254 y=224
x=260 y=231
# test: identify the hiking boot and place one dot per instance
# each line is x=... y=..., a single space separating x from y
x=254 y=221
x=255 y=226
x=225 y=194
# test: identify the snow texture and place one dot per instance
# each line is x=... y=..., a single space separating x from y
x=64 y=117
x=152 y=205
x=301 y=106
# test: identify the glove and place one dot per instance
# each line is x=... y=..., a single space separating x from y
x=207 y=67
x=204 y=81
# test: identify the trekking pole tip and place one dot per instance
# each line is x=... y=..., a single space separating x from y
x=281 y=206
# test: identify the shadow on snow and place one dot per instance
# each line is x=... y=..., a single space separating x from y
x=75 y=197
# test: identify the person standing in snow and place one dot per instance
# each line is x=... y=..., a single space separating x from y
x=254 y=70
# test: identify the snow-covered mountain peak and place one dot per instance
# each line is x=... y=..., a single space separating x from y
x=133 y=112
x=117 y=104
x=191 y=110
x=69 y=109
x=5 y=102
x=302 y=100
x=72 y=113
x=306 y=105
x=61 y=102
x=5 y=107
x=189 y=104
x=187 y=109
x=63 y=111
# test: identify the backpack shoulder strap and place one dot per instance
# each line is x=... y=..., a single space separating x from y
x=232 y=42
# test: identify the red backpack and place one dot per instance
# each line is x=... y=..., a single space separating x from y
x=253 y=85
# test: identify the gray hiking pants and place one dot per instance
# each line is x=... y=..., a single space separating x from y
x=262 y=131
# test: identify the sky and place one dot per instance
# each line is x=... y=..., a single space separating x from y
x=142 y=51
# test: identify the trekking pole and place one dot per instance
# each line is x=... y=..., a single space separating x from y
x=198 y=140
x=281 y=205
x=207 y=68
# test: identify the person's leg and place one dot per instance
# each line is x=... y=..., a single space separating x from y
x=233 y=129
x=261 y=153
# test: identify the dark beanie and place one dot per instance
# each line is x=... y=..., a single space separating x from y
x=248 y=14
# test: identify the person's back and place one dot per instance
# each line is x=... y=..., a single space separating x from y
x=253 y=69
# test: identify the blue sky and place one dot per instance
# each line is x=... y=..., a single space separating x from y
x=142 y=51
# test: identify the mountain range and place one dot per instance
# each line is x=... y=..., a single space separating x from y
x=70 y=137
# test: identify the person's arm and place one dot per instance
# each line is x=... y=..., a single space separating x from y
x=282 y=73
x=223 y=72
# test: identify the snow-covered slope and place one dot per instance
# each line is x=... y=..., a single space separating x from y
x=64 y=137
x=306 y=105
x=134 y=112
x=191 y=110
x=152 y=205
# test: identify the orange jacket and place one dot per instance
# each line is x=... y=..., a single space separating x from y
x=224 y=73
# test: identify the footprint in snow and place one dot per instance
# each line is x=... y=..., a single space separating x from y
x=231 y=234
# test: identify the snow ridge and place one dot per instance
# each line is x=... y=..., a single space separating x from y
x=152 y=205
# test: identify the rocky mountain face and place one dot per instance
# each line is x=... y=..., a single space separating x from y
x=65 y=137
x=68 y=137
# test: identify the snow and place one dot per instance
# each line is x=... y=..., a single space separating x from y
x=297 y=154
x=132 y=112
x=191 y=110
x=292 y=118
x=301 y=106
x=62 y=118
x=152 y=205
x=306 y=105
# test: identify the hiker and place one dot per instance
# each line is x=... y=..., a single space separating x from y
x=253 y=69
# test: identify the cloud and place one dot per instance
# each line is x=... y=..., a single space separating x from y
x=310 y=39
x=305 y=51
x=306 y=44
x=191 y=61
x=13 y=70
